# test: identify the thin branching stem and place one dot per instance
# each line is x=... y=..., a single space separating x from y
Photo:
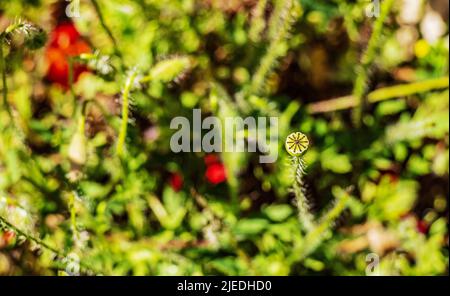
x=59 y=255
x=317 y=233
x=29 y=237
x=105 y=27
x=314 y=237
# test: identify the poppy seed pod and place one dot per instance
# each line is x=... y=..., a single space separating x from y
x=296 y=143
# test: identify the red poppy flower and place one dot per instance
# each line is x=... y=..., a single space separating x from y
x=211 y=159
x=64 y=35
x=176 y=181
x=216 y=173
x=65 y=42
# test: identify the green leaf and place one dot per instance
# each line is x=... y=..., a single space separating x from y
x=250 y=226
x=278 y=213
x=337 y=163
x=391 y=107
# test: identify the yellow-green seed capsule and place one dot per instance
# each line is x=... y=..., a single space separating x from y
x=296 y=143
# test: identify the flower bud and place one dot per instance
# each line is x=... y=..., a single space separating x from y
x=77 y=148
x=35 y=38
x=169 y=70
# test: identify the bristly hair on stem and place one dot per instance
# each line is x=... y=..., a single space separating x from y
x=360 y=89
x=317 y=234
x=284 y=16
x=33 y=38
x=258 y=22
x=304 y=210
x=129 y=84
x=59 y=256
x=296 y=144
x=165 y=71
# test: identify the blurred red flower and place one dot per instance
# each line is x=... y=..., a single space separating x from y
x=216 y=173
x=210 y=159
x=65 y=42
x=176 y=181
x=8 y=236
x=422 y=226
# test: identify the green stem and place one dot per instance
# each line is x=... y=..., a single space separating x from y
x=379 y=95
x=102 y=109
x=304 y=212
x=82 y=122
x=360 y=86
x=73 y=215
x=407 y=89
x=39 y=242
x=105 y=27
x=29 y=237
x=316 y=235
x=71 y=82
x=5 y=85
x=258 y=22
x=280 y=25
x=125 y=113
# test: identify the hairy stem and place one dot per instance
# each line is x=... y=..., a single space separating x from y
x=314 y=237
x=29 y=237
x=326 y=222
x=280 y=24
x=60 y=255
x=304 y=211
x=5 y=85
x=258 y=22
x=125 y=113
x=362 y=78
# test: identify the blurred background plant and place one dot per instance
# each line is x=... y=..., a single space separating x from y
x=86 y=169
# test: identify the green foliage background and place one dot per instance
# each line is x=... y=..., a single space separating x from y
x=376 y=183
